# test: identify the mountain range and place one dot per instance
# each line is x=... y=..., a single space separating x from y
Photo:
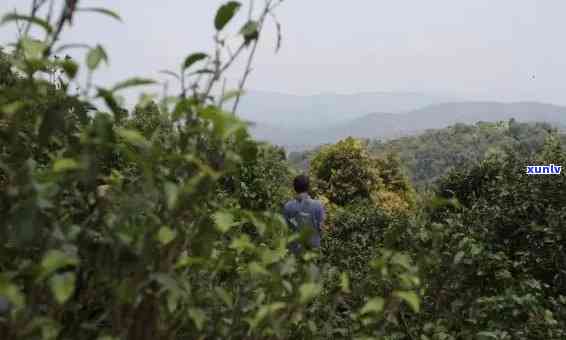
x=301 y=123
x=326 y=110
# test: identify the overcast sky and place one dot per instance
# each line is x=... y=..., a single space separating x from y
x=483 y=49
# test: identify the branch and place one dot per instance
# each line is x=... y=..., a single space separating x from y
x=270 y=5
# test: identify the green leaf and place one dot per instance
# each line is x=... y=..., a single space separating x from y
x=263 y=312
x=223 y=221
x=171 y=73
x=104 y=11
x=308 y=291
x=488 y=335
x=345 y=283
x=166 y=235
x=112 y=103
x=242 y=243
x=225 y=13
x=459 y=257
x=34 y=20
x=402 y=260
x=171 y=194
x=33 y=49
x=257 y=269
x=374 y=305
x=69 y=46
x=411 y=298
x=62 y=286
x=132 y=82
x=65 y=164
x=250 y=31
x=198 y=316
x=95 y=56
x=54 y=260
x=192 y=59
x=133 y=137
x=12 y=293
x=224 y=296
x=71 y=68
x=49 y=328
x=231 y=94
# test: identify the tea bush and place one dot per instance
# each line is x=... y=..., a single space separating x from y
x=159 y=224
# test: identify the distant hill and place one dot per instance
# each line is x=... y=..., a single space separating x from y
x=387 y=125
x=324 y=110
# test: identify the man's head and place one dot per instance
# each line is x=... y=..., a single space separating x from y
x=301 y=184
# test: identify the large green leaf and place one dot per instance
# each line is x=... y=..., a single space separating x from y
x=250 y=31
x=95 y=56
x=198 y=317
x=374 y=305
x=14 y=17
x=345 y=282
x=132 y=82
x=62 y=286
x=70 y=68
x=225 y=296
x=65 y=164
x=56 y=259
x=133 y=137
x=308 y=291
x=225 y=13
x=11 y=292
x=223 y=221
x=193 y=58
x=411 y=298
x=166 y=235
x=32 y=48
x=263 y=312
x=100 y=10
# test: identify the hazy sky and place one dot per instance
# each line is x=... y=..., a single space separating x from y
x=478 y=48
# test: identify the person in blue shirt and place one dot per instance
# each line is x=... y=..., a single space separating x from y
x=304 y=212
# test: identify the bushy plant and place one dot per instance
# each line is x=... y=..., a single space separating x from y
x=345 y=173
x=153 y=225
x=494 y=251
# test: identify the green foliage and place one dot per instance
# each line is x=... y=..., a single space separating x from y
x=263 y=180
x=433 y=154
x=161 y=223
x=345 y=173
x=498 y=252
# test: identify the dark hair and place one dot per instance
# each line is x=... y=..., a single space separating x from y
x=301 y=184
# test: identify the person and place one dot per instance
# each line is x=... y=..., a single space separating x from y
x=5 y=305
x=304 y=212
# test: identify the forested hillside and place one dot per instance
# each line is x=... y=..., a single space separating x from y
x=434 y=153
x=430 y=155
x=164 y=221
x=386 y=126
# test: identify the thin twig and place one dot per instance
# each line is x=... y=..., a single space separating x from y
x=35 y=6
x=51 y=10
x=66 y=15
x=245 y=77
x=19 y=27
x=222 y=94
x=266 y=11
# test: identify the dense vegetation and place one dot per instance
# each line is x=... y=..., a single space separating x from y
x=163 y=222
x=430 y=155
